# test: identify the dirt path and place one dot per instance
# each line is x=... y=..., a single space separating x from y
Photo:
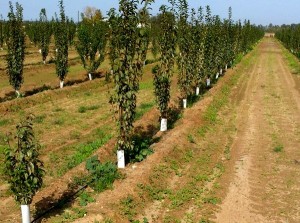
x=265 y=182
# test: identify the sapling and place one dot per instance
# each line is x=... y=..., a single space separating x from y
x=23 y=168
x=45 y=35
x=61 y=44
x=91 y=44
x=15 y=47
x=127 y=48
x=164 y=70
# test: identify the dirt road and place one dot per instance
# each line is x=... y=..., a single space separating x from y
x=265 y=181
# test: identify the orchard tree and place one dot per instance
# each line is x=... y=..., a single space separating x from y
x=2 y=23
x=61 y=44
x=91 y=44
x=23 y=168
x=15 y=47
x=71 y=26
x=127 y=47
x=184 y=58
x=164 y=70
x=45 y=34
x=197 y=48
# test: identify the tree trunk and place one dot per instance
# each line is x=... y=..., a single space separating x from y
x=90 y=76
x=184 y=103
x=25 y=210
x=163 y=125
x=61 y=84
x=121 y=159
x=197 y=91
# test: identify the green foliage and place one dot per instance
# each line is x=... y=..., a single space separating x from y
x=141 y=149
x=23 y=169
x=61 y=44
x=278 y=149
x=71 y=28
x=83 y=109
x=45 y=32
x=128 y=207
x=162 y=73
x=85 y=198
x=128 y=48
x=15 y=47
x=102 y=176
x=185 y=75
x=91 y=44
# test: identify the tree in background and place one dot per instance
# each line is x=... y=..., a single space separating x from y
x=45 y=30
x=71 y=26
x=92 y=14
x=61 y=44
x=23 y=169
x=91 y=45
x=15 y=47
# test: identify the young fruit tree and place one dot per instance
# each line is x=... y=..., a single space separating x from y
x=91 y=44
x=166 y=39
x=45 y=34
x=184 y=59
x=127 y=48
x=61 y=44
x=197 y=48
x=1 y=32
x=23 y=169
x=15 y=47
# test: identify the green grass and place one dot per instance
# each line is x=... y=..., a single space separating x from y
x=82 y=152
x=83 y=109
x=293 y=62
x=143 y=108
x=4 y=122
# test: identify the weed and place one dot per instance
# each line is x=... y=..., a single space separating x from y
x=140 y=150
x=278 y=149
x=85 y=198
x=128 y=207
x=39 y=119
x=212 y=200
x=59 y=121
x=83 y=109
x=102 y=175
x=4 y=122
x=58 y=110
x=75 y=135
x=191 y=138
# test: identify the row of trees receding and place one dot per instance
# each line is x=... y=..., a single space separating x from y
x=289 y=35
x=202 y=46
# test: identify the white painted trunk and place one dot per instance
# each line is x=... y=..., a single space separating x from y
x=207 y=82
x=221 y=71
x=90 y=77
x=197 y=91
x=44 y=61
x=18 y=93
x=226 y=67
x=25 y=210
x=40 y=50
x=111 y=72
x=61 y=84
x=56 y=50
x=121 y=159
x=184 y=103
x=217 y=75
x=163 y=125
